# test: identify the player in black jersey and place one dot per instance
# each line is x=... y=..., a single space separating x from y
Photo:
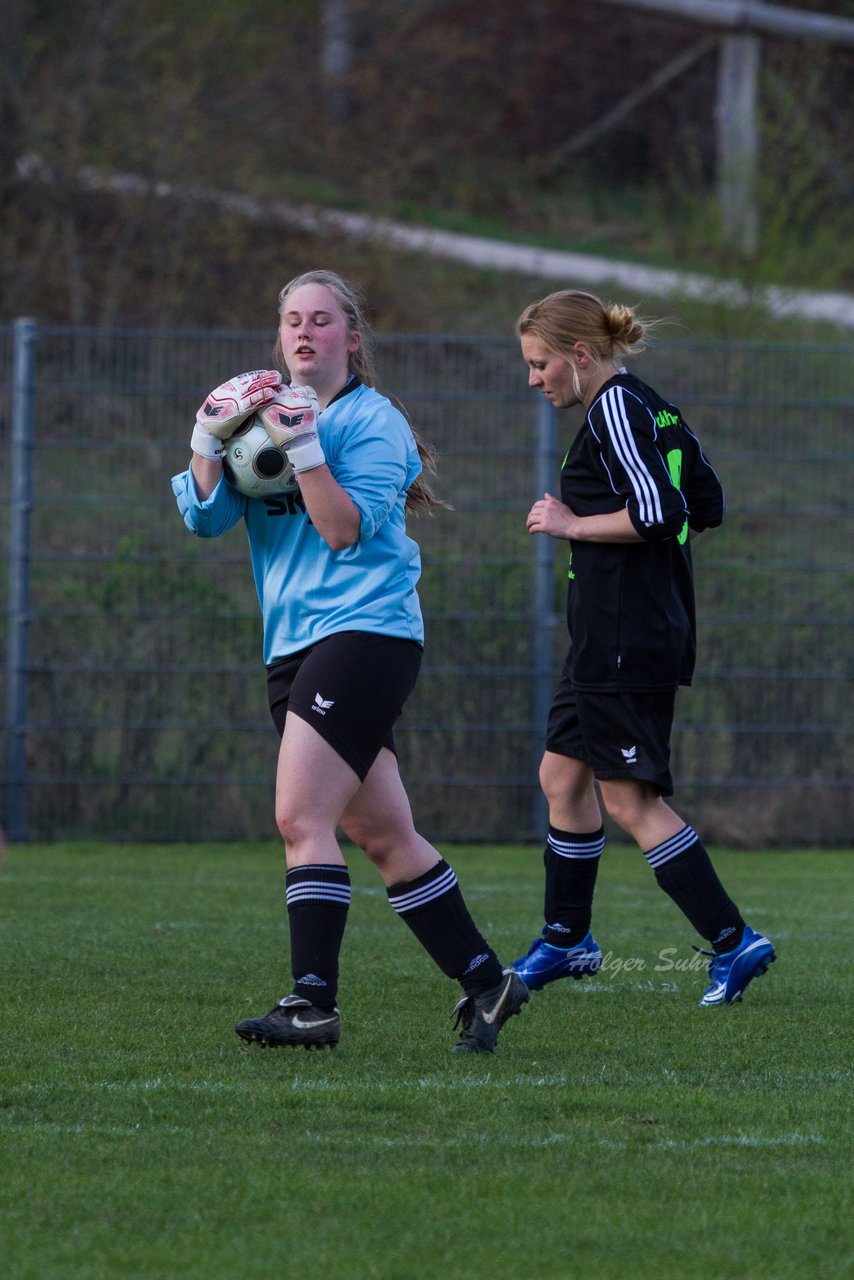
x=634 y=487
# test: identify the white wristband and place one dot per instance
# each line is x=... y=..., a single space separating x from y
x=305 y=454
x=202 y=442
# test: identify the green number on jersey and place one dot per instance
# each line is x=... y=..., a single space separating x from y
x=674 y=466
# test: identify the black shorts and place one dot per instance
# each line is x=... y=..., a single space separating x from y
x=620 y=735
x=351 y=688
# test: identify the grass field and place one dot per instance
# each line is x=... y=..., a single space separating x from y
x=618 y=1133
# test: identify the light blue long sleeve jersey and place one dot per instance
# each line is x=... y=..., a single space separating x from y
x=306 y=590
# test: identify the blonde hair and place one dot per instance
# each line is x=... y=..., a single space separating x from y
x=420 y=499
x=570 y=315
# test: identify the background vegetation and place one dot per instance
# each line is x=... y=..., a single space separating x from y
x=169 y=165
x=453 y=114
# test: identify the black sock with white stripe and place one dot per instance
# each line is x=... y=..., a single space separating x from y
x=684 y=871
x=433 y=907
x=572 y=864
x=318 y=899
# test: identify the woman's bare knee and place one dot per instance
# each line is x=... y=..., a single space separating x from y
x=304 y=832
x=289 y=826
x=561 y=777
x=375 y=842
x=385 y=846
x=568 y=787
x=639 y=809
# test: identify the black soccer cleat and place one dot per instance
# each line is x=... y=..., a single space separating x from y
x=482 y=1016
x=293 y=1021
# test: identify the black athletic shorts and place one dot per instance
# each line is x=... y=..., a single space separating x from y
x=620 y=735
x=351 y=688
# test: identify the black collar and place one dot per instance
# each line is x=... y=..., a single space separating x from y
x=350 y=385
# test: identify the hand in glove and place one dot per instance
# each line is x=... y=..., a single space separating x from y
x=291 y=420
x=230 y=404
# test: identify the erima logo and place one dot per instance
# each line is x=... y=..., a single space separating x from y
x=629 y=754
x=321 y=705
x=285 y=421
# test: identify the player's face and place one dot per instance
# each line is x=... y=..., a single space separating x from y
x=551 y=374
x=316 y=338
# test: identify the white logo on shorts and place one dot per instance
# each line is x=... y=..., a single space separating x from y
x=629 y=754
x=321 y=705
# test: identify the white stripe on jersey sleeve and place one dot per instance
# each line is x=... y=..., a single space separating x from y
x=645 y=488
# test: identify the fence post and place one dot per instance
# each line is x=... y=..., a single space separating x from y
x=21 y=469
x=544 y=618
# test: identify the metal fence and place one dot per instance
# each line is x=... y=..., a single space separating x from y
x=134 y=690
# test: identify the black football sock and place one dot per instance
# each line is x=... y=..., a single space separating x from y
x=684 y=871
x=318 y=899
x=572 y=864
x=433 y=907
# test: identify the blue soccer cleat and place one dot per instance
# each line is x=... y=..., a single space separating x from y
x=544 y=963
x=731 y=971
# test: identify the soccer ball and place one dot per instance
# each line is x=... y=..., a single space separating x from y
x=254 y=465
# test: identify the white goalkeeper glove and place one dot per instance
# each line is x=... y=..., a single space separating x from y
x=291 y=423
x=222 y=412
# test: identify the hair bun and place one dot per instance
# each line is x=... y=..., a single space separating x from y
x=623 y=325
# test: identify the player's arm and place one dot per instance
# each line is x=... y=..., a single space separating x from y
x=291 y=421
x=333 y=512
x=703 y=490
x=211 y=515
x=625 y=430
x=207 y=474
x=551 y=516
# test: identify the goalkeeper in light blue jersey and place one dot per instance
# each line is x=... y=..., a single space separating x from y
x=336 y=576
x=365 y=578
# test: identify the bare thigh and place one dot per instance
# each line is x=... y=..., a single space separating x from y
x=314 y=785
x=378 y=819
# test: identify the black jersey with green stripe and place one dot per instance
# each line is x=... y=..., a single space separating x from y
x=630 y=606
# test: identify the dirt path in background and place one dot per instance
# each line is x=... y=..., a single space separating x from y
x=479 y=251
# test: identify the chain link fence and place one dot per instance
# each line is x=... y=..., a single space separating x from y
x=134 y=690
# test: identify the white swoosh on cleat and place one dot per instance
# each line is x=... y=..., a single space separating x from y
x=489 y=1018
x=310 y=1026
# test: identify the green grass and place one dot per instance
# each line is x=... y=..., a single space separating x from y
x=618 y=1132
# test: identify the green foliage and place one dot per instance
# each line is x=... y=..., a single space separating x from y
x=618 y=1131
x=802 y=192
x=452 y=116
